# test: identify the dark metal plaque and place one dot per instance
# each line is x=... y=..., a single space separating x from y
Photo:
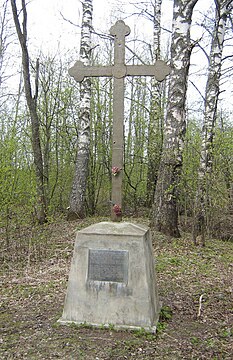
x=108 y=265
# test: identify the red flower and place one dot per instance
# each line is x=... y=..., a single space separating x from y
x=117 y=209
x=115 y=170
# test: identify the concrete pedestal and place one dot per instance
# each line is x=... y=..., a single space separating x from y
x=112 y=278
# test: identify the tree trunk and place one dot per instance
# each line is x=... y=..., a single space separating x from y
x=156 y=116
x=78 y=191
x=165 y=212
x=210 y=114
x=32 y=107
x=3 y=37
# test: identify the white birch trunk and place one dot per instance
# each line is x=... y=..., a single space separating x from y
x=77 y=197
x=165 y=213
x=156 y=115
x=157 y=29
x=210 y=114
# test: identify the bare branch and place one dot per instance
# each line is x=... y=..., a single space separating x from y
x=199 y=92
x=200 y=305
x=227 y=57
x=204 y=51
x=69 y=21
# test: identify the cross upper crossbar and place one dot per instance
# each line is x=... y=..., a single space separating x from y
x=118 y=71
x=159 y=70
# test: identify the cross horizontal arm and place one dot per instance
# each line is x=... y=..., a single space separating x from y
x=159 y=70
x=79 y=71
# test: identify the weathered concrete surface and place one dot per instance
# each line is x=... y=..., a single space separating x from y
x=121 y=252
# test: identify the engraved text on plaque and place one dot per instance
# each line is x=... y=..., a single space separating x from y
x=108 y=265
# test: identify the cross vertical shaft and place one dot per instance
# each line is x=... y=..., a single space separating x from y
x=119 y=31
x=117 y=147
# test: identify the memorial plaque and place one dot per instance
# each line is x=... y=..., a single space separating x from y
x=108 y=265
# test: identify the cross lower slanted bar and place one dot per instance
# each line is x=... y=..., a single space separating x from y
x=118 y=71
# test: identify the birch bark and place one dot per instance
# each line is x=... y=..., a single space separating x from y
x=210 y=114
x=78 y=191
x=32 y=107
x=156 y=115
x=164 y=211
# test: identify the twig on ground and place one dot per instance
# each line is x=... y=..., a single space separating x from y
x=200 y=304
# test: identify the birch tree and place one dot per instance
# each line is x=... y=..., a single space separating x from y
x=210 y=114
x=32 y=106
x=164 y=212
x=156 y=116
x=77 y=196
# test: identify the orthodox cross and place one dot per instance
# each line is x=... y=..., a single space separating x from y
x=118 y=71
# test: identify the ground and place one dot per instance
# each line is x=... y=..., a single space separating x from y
x=194 y=286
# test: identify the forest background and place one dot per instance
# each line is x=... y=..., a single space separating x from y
x=178 y=169
x=146 y=127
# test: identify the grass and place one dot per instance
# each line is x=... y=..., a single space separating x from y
x=34 y=285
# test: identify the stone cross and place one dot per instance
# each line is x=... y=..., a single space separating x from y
x=118 y=71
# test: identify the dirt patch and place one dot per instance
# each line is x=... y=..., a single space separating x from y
x=194 y=286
